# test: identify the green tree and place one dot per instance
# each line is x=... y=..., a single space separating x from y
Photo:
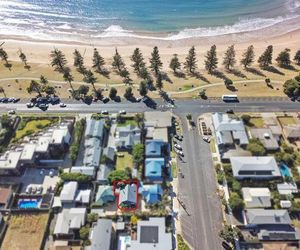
x=58 y=60
x=143 y=89
x=83 y=90
x=92 y=217
x=297 y=57
x=175 y=64
x=256 y=147
x=228 y=82
x=291 y=87
x=202 y=93
x=246 y=118
x=118 y=175
x=90 y=78
x=98 y=62
x=266 y=58
x=78 y=62
x=113 y=93
x=118 y=63
x=211 y=61
x=235 y=202
x=68 y=78
x=155 y=62
x=43 y=80
x=138 y=152
x=84 y=233
x=49 y=90
x=228 y=233
x=248 y=57
x=137 y=61
x=159 y=82
x=283 y=59
x=128 y=93
x=144 y=74
x=34 y=86
x=229 y=58
x=191 y=61
x=23 y=58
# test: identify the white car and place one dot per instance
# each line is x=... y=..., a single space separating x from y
x=206 y=138
x=177 y=146
x=62 y=105
x=51 y=173
x=11 y=112
x=122 y=112
x=30 y=105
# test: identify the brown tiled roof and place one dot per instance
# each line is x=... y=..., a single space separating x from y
x=4 y=195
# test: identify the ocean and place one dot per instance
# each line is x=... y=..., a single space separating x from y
x=76 y=20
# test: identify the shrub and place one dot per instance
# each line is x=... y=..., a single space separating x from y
x=246 y=118
x=235 y=202
x=256 y=147
x=81 y=178
x=118 y=175
x=138 y=153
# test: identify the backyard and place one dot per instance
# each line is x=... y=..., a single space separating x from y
x=256 y=122
x=28 y=127
x=124 y=159
x=127 y=122
x=286 y=120
x=25 y=231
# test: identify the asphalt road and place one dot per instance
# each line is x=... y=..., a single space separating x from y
x=198 y=187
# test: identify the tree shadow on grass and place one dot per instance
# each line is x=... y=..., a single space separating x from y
x=255 y=72
x=165 y=77
x=237 y=73
x=274 y=70
x=180 y=74
x=201 y=77
x=105 y=73
x=289 y=67
x=219 y=74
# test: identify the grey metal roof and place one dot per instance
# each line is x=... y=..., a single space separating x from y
x=268 y=216
x=94 y=128
x=100 y=235
x=265 y=135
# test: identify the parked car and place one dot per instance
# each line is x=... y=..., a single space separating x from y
x=226 y=245
x=206 y=139
x=10 y=99
x=62 y=105
x=16 y=100
x=51 y=172
x=122 y=112
x=5 y=100
x=43 y=105
x=29 y=105
x=178 y=137
x=11 y=112
x=33 y=99
x=105 y=100
x=177 y=146
x=229 y=111
x=104 y=112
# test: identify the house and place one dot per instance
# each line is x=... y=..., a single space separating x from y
x=6 y=195
x=10 y=164
x=271 y=224
x=69 y=221
x=28 y=154
x=68 y=192
x=287 y=188
x=110 y=154
x=126 y=137
x=60 y=138
x=151 y=234
x=101 y=235
x=229 y=131
x=128 y=196
x=255 y=167
x=256 y=197
x=153 y=133
x=265 y=135
x=155 y=148
x=89 y=171
x=104 y=195
x=291 y=132
x=152 y=193
x=83 y=196
x=285 y=204
x=94 y=128
x=103 y=173
x=154 y=169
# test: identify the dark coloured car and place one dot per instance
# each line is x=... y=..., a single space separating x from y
x=226 y=245
x=16 y=100
x=229 y=111
x=105 y=100
x=33 y=99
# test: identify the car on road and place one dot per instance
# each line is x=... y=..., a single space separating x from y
x=206 y=139
x=43 y=106
x=11 y=112
x=179 y=152
x=16 y=100
x=30 y=105
x=104 y=112
x=229 y=111
x=122 y=112
x=177 y=146
x=10 y=99
x=226 y=245
x=178 y=137
x=105 y=100
x=62 y=105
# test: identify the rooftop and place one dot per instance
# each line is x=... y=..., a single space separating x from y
x=268 y=216
x=158 y=119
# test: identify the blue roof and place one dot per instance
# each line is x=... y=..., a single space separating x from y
x=154 y=167
x=153 y=194
x=104 y=195
x=153 y=147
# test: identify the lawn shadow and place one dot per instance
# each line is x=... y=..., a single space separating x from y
x=180 y=74
x=289 y=67
x=201 y=77
x=219 y=74
x=274 y=70
x=237 y=73
x=232 y=88
x=165 y=77
x=255 y=72
x=104 y=72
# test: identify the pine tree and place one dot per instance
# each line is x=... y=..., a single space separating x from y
x=118 y=63
x=297 y=57
x=155 y=62
x=283 y=59
x=143 y=89
x=113 y=93
x=23 y=58
x=191 y=61
x=98 y=62
x=211 y=61
x=3 y=55
x=90 y=78
x=159 y=83
x=248 y=57
x=34 y=86
x=266 y=58
x=229 y=58
x=78 y=62
x=138 y=61
x=175 y=64
x=58 y=60
x=128 y=93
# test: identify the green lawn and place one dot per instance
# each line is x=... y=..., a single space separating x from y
x=256 y=122
x=181 y=243
x=174 y=169
x=286 y=120
x=127 y=122
x=124 y=159
x=187 y=87
x=32 y=127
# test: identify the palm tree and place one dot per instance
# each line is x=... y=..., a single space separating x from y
x=2 y=91
x=68 y=78
x=58 y=60
x=90 y=78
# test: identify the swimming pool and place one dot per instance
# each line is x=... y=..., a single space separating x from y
x=285 y=171
x=28 y=204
